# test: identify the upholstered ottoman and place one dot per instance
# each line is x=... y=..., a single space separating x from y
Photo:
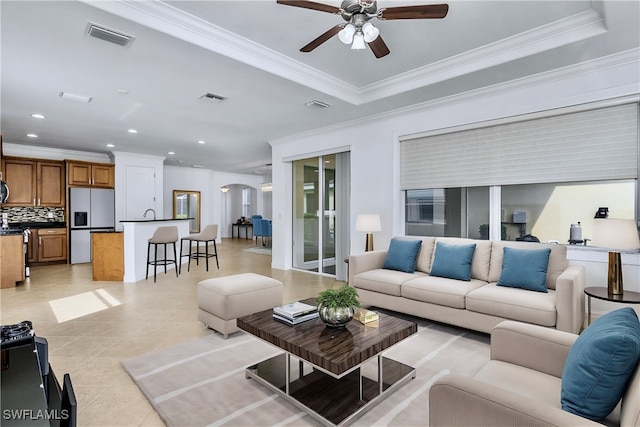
x=222 y=300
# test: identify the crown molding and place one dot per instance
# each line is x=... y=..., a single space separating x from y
x=184 y=26
x=621 y=59
x=559 y=33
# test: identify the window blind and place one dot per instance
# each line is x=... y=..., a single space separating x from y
x=600 y=144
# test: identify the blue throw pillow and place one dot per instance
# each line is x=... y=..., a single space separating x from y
x=600 y=364
x=402 y=255
x=526 y=269
x=453 y=261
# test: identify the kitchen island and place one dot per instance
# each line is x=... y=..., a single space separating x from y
x=137 y=232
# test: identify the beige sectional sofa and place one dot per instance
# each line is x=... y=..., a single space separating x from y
x=478 y=304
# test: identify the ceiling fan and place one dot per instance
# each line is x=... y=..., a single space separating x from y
x=358 y=29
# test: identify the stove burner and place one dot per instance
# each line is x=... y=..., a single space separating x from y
x=15 y=335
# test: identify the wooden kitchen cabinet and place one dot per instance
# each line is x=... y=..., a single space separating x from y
x=47 y=245
x=11 y=260
x=86 y=174
x=34 y=182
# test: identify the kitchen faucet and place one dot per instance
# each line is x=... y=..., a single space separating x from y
x=144 y=215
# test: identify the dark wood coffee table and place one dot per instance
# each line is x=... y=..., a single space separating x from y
x=329 y=382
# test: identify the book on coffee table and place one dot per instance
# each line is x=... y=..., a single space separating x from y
x=295 y=310
x=296 y=320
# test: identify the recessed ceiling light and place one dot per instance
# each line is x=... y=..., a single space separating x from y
x=132 y=131
x=38 y=116
x=171 y=153
x=201 y=142
x=122 y=91
x=197 y=166
x=32 y=135
x=110 y=145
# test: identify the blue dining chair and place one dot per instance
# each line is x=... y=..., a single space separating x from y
x=256 y=226
x=266 y=231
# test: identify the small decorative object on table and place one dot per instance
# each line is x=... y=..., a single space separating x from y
x=336 y=307
x=365 y=316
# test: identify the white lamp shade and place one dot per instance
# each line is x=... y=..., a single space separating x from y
x=358 y=42
x=368 y=223
x=346 y=34
x=370 y=32
x=621 y=234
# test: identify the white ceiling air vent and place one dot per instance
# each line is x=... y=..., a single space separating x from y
x=316 y=104
x=109 y=35
x=213 y=97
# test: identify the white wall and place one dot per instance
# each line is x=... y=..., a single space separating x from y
x=375 y=148
x=216 y=207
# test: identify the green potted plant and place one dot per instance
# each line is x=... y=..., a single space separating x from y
x=336 y=306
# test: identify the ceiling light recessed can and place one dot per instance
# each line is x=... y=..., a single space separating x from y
x=132 y=131
x=122 y=91
x=110 y=145
x=197 y=166
x=171 y=153
x=32 y=135
x=201 y=142
x=38 y=116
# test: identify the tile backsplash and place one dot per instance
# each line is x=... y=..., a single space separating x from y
x=33 y=214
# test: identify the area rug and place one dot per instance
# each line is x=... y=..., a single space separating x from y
x=259 y=250
x=202 y=382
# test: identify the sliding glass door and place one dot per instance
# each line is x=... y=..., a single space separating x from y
x=320 y=212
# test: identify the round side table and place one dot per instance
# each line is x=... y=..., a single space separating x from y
x=626 y=297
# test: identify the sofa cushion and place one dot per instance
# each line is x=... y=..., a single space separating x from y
x=538 y=308
x=526 y=269
x=600 y=364
x=530 y=383
x=440 y=290
x=402 y=255
x=383 y=281
x=453 y=261
x=557 y=259
x=481 y=256
x=423 y=263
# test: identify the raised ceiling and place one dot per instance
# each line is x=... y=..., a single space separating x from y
x=248 y=53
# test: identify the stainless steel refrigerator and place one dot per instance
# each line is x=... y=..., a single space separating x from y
x=90 y=209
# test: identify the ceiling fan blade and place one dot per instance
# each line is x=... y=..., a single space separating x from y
x=430 y=11
x=310 y=5
x=322 y=38
x=379 y=47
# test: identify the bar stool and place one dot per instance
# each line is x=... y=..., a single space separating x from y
x=162 y=236
x=208 y=234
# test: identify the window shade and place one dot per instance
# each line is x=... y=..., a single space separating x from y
x=599 y=144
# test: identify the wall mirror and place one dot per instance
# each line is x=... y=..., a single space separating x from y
x=186 y=204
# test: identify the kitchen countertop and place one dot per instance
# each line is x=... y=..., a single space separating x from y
x=41 y=224
x=156 y=220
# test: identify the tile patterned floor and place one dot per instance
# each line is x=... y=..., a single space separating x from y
x=128 y=319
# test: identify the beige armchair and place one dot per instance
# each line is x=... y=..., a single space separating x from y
x=520 y=385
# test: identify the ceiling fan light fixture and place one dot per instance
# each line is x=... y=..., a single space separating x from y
x=346 y=34
x=358 y=42
x=370 y=32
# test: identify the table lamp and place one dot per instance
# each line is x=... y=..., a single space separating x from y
x=618 y=234
x=368 y=223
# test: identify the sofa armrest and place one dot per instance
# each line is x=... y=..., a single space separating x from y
x=462 y=401
x=531 y=346
x=364 y=262
x=570 y=299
